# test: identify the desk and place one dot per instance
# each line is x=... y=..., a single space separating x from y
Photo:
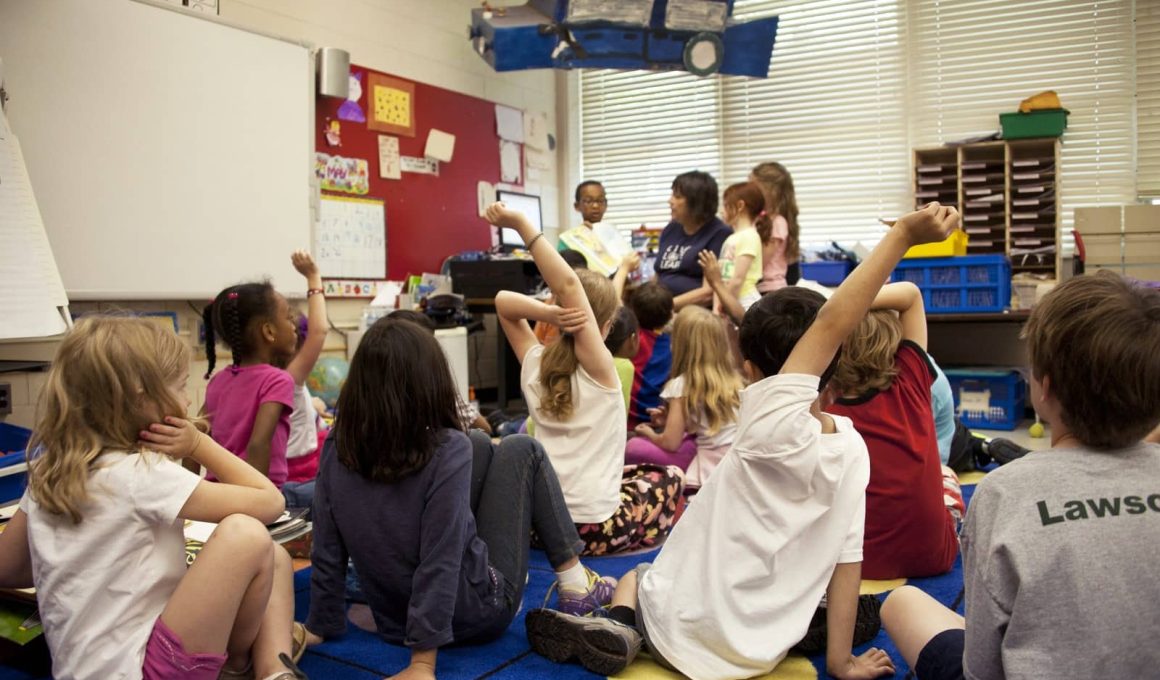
x=507 y=366
x=977 y=339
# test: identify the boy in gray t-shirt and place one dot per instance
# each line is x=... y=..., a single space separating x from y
x=1059 y=547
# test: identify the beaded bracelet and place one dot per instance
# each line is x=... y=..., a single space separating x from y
x=313 y=291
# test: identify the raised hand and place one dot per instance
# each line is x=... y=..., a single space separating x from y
x=304 y=263
x=502 y=216
x=631 y=262
x=710 y=266
x=931 y=224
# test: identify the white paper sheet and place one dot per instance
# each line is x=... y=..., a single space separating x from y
x=419 y=166
x=440 y=145
x=509 y=123
x=510 y=162
x=536 y=130
x=389 y=167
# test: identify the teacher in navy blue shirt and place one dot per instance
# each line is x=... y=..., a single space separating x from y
x=695 y=227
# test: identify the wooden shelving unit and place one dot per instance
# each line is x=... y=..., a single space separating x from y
x=1008 y=193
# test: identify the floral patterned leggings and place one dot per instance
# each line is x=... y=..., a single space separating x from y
x=650 y=496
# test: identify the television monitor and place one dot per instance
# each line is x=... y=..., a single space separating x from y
x=523 y=203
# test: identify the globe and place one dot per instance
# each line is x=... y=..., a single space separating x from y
x=327 y=378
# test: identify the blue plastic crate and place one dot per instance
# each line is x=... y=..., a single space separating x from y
x=827 y=273
x=989 y=399
x=13 y=441
x=959 y=285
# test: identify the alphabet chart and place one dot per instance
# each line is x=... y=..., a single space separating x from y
x=351 y=240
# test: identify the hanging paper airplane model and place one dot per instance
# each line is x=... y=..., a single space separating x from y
x=698 y=36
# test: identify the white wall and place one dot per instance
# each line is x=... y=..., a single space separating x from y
x=422 y=40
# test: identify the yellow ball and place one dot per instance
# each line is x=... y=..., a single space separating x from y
x=1036 y=430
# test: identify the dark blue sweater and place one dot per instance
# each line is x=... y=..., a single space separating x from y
x=423 y=569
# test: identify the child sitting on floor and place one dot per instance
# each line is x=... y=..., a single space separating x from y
x=741 y=258
x=575 y=400
x=780 y=521
x=1058 y=548
x=623 y=341
x=304 y=443
x=435 y=522
x=884 y=377
x=652 y=304
x=701 y=399
x=249 y=404
x=99 y=531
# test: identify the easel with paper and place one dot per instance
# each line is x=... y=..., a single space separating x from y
x=33 y=303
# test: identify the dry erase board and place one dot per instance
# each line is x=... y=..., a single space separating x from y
x=351 y=238
x=171 y=154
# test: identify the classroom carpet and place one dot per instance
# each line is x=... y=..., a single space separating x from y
x=360 y=655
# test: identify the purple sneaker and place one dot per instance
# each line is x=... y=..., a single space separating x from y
x=584 y=602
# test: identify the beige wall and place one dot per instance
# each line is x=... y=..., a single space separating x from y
x=423 y=40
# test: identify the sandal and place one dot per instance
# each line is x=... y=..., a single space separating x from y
x=297 y=642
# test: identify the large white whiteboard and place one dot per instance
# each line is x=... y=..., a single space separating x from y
x=171 y=154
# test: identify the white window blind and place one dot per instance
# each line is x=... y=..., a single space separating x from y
x=641 y=129
x=830 y=112
x=972 y=60
x=1148 y=98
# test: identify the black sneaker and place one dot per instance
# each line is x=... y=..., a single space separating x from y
x=601 y=645
x=866 y=626
x=1004 y=450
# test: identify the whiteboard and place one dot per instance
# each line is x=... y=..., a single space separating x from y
x=352 y=238
x=171 y=154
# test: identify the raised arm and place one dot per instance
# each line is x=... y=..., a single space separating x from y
x=515 y=310
x=844 y=311
x=629 y=264
x=906 y=299
x=728 y=298
x=316 y=324
x=565 y=285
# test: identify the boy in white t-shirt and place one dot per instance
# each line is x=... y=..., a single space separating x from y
x=778 y=524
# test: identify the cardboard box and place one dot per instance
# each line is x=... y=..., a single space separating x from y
x=1142 y=248
x=1104 y=220
x=1140 y=218
x=1103 y=249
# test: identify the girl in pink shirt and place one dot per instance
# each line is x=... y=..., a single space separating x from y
x=780 y=246
x=249 y=403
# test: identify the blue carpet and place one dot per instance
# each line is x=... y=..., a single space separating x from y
x=360 y=655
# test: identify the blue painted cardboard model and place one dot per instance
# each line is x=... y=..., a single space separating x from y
x=698 y=36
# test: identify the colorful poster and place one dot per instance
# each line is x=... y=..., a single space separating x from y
x=392 y=105
x=337 y=173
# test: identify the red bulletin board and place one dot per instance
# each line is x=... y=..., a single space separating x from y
x=428 y=218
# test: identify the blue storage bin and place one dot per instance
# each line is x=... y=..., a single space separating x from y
x=989 y=399
x=959 y=285
x=827 y=273
x=13 y=442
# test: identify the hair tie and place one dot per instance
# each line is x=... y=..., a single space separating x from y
x=232 y=296
x=762 y=214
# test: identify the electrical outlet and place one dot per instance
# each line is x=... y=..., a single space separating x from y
x=5 y=399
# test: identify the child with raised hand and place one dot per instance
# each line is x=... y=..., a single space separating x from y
x=574 y=398
x=701 y=399
x=303 y=443
x=249 y=404
x=101 y=523
x=435 y=521
x=780 y=521
x=1059 y=563
x=884 y=378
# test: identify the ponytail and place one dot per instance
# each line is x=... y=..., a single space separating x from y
x=557 y=366
x=210 y=340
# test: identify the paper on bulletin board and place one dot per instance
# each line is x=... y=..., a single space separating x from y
x=535 y=158
x=484 y=196
x=510 y=162
x=419 y=166
x=440 y=145
x=389 y=167
x=509 y=123
x=337 y=173
x=351 y=238
x=536 y=130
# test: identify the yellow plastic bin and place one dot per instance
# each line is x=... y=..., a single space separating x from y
x=954 y=246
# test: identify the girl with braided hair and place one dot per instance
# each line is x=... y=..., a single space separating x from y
x=249 y=403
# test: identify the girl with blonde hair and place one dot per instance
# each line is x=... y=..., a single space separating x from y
x=702 y=399
x=103 y=515
x=575 y=401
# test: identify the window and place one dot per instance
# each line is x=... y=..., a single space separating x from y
x=854 y=86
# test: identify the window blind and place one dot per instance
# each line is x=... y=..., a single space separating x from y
x=1148 y=98
x=972 y=60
